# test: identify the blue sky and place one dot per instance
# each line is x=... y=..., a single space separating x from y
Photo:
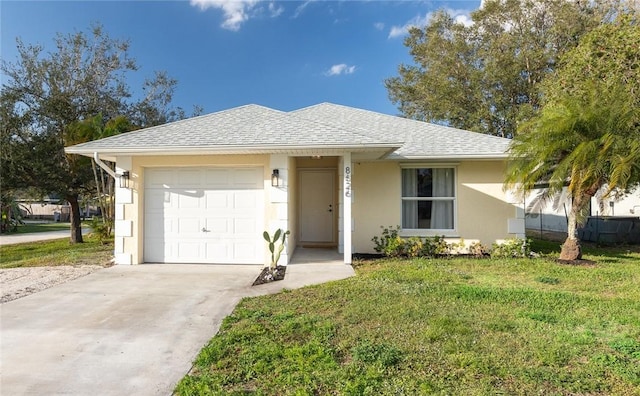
x=281 y=54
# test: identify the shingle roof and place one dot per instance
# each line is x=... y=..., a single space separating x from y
x=421 y=139
x=326 y=125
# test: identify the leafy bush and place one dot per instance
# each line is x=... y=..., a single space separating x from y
x=477 y=249
x=435 y=246
x=512 y=248
x=102 y=228
x=391 y=244
x=10 y=214
x=389 y=236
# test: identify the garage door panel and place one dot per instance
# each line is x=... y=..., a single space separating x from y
x=188 y=177
x=219 y=226
x=245 y=178
x=217 y=249
x=227 y=203
x=159 y=179
x=217 y=178
x=156 y=200
x=189 y=251
x=217 y=200
x=156 y=226
x=188 y=225
x=244 y=227
x=189 y=199
x=244 y=200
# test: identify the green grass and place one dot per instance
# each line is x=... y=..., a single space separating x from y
x=56 y=252
x=441 y=326
x=40 y=227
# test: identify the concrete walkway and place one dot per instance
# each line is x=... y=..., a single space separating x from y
x=13 y=239
x=128 y=329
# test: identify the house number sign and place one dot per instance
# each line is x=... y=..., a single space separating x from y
x=347 y=181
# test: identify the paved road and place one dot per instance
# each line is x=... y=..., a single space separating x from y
x=13 y=239
x=128 y=330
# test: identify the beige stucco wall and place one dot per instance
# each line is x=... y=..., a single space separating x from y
x=481 y=207
x=134 y=245
x=375 y=201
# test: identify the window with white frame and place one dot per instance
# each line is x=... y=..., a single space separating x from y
x=428 y=198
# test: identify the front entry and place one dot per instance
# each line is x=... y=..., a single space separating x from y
x=317 y=206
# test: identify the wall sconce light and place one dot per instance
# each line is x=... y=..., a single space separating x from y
x=124 y=179
x=275 y=178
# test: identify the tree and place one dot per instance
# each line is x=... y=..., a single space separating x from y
x=486 y=77
x=587 y=135
x=46 y=94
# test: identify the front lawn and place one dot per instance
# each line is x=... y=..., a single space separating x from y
x=438 y=326
x=56 y=252
x=29 y=228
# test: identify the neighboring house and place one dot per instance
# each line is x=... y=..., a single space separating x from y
x=607 y=216
x=202 y=190
x=45 y=209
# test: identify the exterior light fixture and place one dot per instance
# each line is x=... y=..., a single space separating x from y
x=124 y=179
x=316 y=157
x=275 y=178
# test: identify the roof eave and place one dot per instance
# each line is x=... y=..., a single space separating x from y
x=204 y=150
x=493 y=156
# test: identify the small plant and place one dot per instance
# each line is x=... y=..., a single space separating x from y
x=11 y=214
x=102 y=228
x=477 y=249
x=389 y=236
x=513 y=248
x=276 y=251
x=413 y=247
x=435 y=246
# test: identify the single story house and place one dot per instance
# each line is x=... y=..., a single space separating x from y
x=203 y=190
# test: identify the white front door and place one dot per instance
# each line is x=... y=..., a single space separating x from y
x=204 y=215
x=317 y=205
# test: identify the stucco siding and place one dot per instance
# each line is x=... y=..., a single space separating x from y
x=376 y=201
x=483 y=210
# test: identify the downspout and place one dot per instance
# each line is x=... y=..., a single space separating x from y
x=104 y=166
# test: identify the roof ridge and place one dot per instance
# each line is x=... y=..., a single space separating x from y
x=361 y=131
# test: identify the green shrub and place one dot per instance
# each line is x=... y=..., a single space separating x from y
x=391 y=244
x=102 y=228
x=413 y=247
x=382 y=243
x=435 y=246
x=512 y=248
x=477 y=249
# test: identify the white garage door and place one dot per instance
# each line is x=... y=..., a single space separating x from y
x=204 y=215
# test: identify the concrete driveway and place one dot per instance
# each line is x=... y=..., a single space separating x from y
x=126 y=329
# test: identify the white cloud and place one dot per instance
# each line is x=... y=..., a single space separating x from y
x=237 y=12
x=339 y=69
x=379 y=25
x=459 y=16
x=275 y=11
x=301 y=7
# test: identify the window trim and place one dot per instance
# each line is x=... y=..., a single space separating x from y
x=453 y=232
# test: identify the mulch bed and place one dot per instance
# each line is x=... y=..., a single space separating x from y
x=267 y=277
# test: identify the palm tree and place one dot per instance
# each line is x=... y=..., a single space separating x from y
x=582 y=142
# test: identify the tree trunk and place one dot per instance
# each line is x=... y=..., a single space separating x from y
x=571 y=249
x=76 y=225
